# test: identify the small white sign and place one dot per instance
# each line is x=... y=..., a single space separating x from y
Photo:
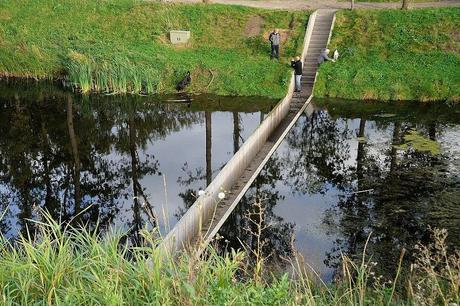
x=179 y=37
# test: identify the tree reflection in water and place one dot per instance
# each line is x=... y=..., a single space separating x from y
x=338 y=177
x=106 y=160
x=349 y=160
x=80 y=161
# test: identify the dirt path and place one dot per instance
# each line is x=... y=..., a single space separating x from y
x=316 y=4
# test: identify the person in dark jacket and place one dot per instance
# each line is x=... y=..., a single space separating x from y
x=275 y=39
x=297 y=65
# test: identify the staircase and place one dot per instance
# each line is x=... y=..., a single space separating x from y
x=319 y=40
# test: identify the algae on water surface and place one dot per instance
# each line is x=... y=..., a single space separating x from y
x=418 y=142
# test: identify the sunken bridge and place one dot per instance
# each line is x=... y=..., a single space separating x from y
x=206 y=216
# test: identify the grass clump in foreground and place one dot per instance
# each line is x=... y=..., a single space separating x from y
x=64 y=265
x=394 y=55
x=122 y=46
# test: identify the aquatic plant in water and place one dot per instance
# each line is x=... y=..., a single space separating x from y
x=418 y=142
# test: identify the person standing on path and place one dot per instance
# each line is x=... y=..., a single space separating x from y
x=275 y=39
x=297 y=65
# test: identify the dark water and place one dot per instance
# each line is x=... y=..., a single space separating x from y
x=342 y=175
x=117 y=156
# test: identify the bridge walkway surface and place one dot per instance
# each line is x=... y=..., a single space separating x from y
x=210 y=223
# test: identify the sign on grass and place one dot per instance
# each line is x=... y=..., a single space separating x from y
x=179 y=37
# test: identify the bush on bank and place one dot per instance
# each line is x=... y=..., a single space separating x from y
x=394 y=55
x=123 y=46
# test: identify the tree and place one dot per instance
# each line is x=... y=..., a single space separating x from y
x=405 y=4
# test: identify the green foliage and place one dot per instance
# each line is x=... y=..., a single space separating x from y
x=122 y=46
x=394 y=55
x=65 y=265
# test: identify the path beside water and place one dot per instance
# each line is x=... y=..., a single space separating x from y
x=325 y=4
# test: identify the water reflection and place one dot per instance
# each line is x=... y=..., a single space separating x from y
x=128 y=162
x=341 y=175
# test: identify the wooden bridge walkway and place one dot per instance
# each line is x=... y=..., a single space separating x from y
x=210 y=223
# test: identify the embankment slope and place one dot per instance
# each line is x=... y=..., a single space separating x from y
x=122 y=46
x=394 y=55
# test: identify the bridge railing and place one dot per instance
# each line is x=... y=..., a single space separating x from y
x=190 y=225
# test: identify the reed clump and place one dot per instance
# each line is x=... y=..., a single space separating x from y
x=66 y=265
x=119 y=76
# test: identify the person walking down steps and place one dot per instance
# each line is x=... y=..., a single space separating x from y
x=275 y=39
x=297 y=65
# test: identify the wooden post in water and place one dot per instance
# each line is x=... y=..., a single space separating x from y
x=352 y=4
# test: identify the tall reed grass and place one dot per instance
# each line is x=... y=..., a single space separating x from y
x=69 y=265
x=119 y=76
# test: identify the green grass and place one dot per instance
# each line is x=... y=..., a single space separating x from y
x=394 y=55
x=122 y=46
x=65 y=265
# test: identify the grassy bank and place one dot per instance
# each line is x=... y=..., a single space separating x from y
x=122 y=46
x=71 y=266
x=394 y=55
